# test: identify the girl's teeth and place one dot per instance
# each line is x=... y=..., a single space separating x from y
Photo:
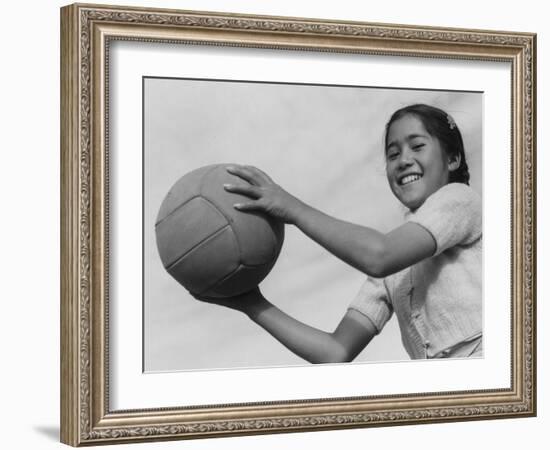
x=410 y=179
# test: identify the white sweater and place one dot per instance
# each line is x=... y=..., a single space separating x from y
x=438 y=301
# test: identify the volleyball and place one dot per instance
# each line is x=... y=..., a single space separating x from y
x=207 y=245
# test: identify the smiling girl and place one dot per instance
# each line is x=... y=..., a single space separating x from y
x=427 y=271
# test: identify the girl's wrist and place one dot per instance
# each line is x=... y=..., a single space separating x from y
x=296 y=212
x=256 y=307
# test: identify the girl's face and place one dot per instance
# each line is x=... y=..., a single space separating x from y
x=416 y=165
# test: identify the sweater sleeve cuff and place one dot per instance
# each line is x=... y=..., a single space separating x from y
x=372 y=302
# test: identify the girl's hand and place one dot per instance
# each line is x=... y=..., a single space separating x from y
x=243 y=302
x=265 y=195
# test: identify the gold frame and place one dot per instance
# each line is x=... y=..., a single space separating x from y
x=86 y=31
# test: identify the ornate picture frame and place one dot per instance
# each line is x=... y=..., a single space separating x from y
x=87 y=33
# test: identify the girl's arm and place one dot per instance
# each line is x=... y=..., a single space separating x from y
x=316 y=346
x=374 y=253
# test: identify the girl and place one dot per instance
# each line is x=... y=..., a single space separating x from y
x=427 y=271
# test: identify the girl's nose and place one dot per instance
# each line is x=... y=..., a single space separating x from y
x=405 y=158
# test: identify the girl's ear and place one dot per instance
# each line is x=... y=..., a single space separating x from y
x=454 y=162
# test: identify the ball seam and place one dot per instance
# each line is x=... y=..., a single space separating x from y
x=206 y=239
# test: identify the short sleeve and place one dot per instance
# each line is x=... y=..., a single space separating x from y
x=452 y=215
x=372 y=301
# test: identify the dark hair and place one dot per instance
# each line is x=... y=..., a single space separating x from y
x=442 y=126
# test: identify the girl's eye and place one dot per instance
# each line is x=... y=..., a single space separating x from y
x=418 y=146
x=392 y=155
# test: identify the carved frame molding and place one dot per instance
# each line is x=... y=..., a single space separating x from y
x=86 y=31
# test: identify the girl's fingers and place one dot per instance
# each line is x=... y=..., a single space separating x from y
x=249 y=173
x=242 y=172
x=249 y=206
x=260 y=174
x=249 y=191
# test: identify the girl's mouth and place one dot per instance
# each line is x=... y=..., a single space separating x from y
x=407 y=179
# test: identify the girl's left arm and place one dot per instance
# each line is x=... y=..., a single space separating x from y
x=374 y=253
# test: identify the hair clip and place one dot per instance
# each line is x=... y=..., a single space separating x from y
x=452 y=123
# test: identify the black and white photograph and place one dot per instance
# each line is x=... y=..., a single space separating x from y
x=289 y=224
x=277 y=224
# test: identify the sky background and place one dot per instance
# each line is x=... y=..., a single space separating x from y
x=323 y=144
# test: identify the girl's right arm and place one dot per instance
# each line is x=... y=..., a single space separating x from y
x=351 y=335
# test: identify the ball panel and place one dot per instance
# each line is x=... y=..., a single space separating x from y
x=240 y=281
x=207 y=263
x=269 y=255
x=186 y=227
x=259 y=244
x=255 y=232
x=182 y=191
